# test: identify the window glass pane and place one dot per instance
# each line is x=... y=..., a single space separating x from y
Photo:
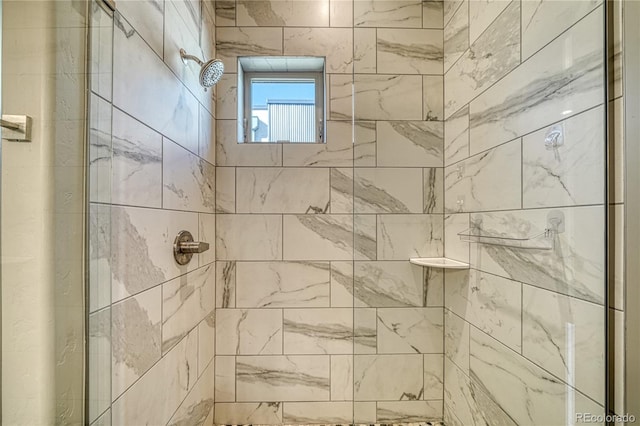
x=283 y=110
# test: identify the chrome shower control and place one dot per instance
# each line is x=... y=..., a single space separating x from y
x=184 y=247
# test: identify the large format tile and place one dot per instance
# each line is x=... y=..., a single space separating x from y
x=433 y=190
x=318 y=237
x=387 y=13
x=563 y=78
x=282 y=190
x=482 y=14
x=188 y=181
x=491 y=303
x=100 y=150
x=494 y=54
x=172 y=111
x=456 y=340
x=408 y=411
x=334 y=44
x=410 y=330
x=147 y=18
x=206 y=342
x=248 y=331
x=101 y=51
x=410 y=143
x=231 y=153
x=388 y=377
x=386 y=190
x=409 y=51
x=136 y=162
x=573 y=266
x=456 y=136
x=364 y=50
x=433 y=96
x=456 y=33
x=225 y=189
x=99 y=370
x=282 y=284
x=432 y=14
x=387 y=284
x=318 y=331
x=565 y=336
x=387 y=97
x=336 y=152
x=342 y=377
x=433 y=377
x=454 y=247
x=471 y=185
x=572 y=174
x=225 y=382
x=245 y=41
x=403 y=236
x=317 y=412
x=197 y=407
x=248 y=237
x=186 y=301
x=226 y=284
x=283 y=378
x=267 y=413
x=277 y=13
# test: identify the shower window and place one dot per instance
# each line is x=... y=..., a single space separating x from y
x=281 y=100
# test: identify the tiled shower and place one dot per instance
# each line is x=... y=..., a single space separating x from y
x=306 y=309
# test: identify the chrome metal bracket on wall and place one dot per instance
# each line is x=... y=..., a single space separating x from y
x=184 y=247
x=16 y=128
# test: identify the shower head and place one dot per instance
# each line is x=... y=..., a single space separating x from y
x=210 y=71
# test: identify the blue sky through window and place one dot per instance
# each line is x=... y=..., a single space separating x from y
x=261 y=91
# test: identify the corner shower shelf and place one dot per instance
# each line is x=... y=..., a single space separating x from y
x=439 y=262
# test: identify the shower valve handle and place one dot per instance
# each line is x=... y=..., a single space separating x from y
x=184 y=247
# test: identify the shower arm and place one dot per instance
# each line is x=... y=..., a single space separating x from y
x=185 y=56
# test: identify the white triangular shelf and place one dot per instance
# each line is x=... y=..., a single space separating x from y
x=439 y=262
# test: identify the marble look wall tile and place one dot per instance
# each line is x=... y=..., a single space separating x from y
x=365 y=145
x=207 y=234
x=186 y=301
x=317 y=412
x=340 y=13
x=341 y=284
x=136 y=338
x=492 y=304
x=137 y=163
x=366 y=331
x=433 y=377
x=225 y=13
x=101 y=52
x=482 y=14
x=206 y=342
x=364 y=412
x=99 y=257
x=342 y=187
x=336 y=152
x=433 y=190
x=364 y=239
x=450 y=7
x=403 y=236
x=387 y=97
x=146 y=235
x=175 y=110
x=388 y=377
x=340 y=96
x=268 y=413
x=248 y=237
x=454 y=248
x=544 y=21
x=410 y=330
x=246 y=41
x=564 y=336
x=432 y=94
x=433 y=288
x=207 y=141
x=409 y=411
x=573 y=267
x=456 y=136
x=409 y=51
x=387 y=13
x=335 y=44
x=506 y=377
x=432 y=14
x=100 y=150
x=231 y=153
x=276 y=13
x=225 y=190
x=147 y=18
x=282 y=190
x=282 y=284
x=467 y=403
x=227 y=97
x=248 y=331
x=284 y=378
x=226 y=284
x=99 y=398
x=364 y=52
x=410 y=143
x=493 y=55
x=188 y=181
x=381 y=190
x=567 y=175
x=456 y=33
x=388 y=284
x=471 y=185
x=318 y=237
x=522 y=102
x=225 y=382
x=318 y=331
x=342 y=378
x=197 y=407
x=103 y=420
x=456 y=340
